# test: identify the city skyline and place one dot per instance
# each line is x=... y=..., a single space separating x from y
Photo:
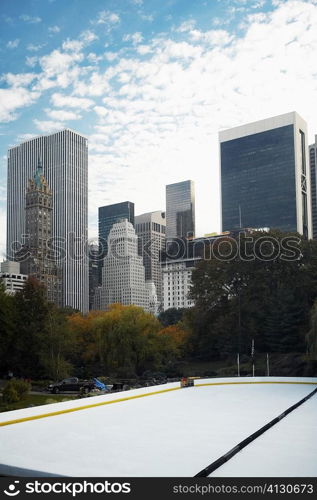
x=151 y=85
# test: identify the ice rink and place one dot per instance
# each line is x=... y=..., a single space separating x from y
x=171 y=432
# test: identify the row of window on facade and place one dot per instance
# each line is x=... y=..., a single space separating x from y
x=147 y=226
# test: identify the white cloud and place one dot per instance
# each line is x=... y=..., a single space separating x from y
x=93 y=58
x=135 y=38
x=181 y=50
x=48 y=126
x=30 y=19
x=54 y=29
x=186 y=26
x=137 y=2
x=34 y=48
x=88 y=36
x=144 y=49
x=62 y=115
x=13 y=44
x=111 y=56
x=8 y=20
x=59 y=69
x=258 y=5
x=96 y=85
x=147 y=17
x=108 y=17
x=31 y=61
x=25 y=137
x=60 y=100
x=212 y=37
x=12 y=99
x=72 y=45
x=20 y=79
x=101 y=111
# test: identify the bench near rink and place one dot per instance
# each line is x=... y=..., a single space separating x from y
x=170 y=431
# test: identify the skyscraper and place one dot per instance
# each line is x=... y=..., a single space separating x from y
x=107 y=216
x=264 y=181
x=313 y=184
x=150 y=228
x=177 y=264
x=64 y=157
x=93 y=272
x=123 y=274
x=180 y=210
x=36 y=258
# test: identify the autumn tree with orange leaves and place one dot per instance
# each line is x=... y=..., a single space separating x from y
x=125 y=340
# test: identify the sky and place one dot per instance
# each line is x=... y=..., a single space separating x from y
x=151 y=83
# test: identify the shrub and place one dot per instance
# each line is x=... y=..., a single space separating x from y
x=15 y=390
x=9 y=394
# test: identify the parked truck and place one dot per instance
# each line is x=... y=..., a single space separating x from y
x=72 y=384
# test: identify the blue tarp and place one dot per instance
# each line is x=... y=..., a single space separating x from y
x=100 y=385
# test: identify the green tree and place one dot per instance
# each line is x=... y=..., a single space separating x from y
x=171 y=316
x=7 y=339
x=31 y=326
x=58 y=344
x=246 y=297
x=312 y=333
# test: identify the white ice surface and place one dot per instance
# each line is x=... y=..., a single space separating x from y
x=289 y=449
x=176 y=433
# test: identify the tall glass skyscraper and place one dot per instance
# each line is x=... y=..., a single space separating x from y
x=64 y=156
x=180 y=210
x=264 y=177
x=313 y=183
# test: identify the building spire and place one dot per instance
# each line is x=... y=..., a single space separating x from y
x=38 y=173
x=39 y=164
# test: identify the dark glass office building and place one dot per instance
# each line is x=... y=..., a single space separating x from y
x=263 y=175
x=107 y=216
x=93 y=272
x=180 y=210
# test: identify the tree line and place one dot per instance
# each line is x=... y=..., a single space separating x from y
x=264 y=288
x=40 y=340
x=239 y=297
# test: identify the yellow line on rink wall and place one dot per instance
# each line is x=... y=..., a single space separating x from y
x=85 y=407
x=128 y=398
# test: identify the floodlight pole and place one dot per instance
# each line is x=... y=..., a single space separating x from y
x=238 y=363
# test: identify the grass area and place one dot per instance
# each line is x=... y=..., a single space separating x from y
x=34 y=400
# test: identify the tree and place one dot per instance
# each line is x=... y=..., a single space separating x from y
x=58 y=344
x=247 y=296
x=31 y=325
x=171 y=316
x=125 y=340
x=312 y=333
x=6 y=330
